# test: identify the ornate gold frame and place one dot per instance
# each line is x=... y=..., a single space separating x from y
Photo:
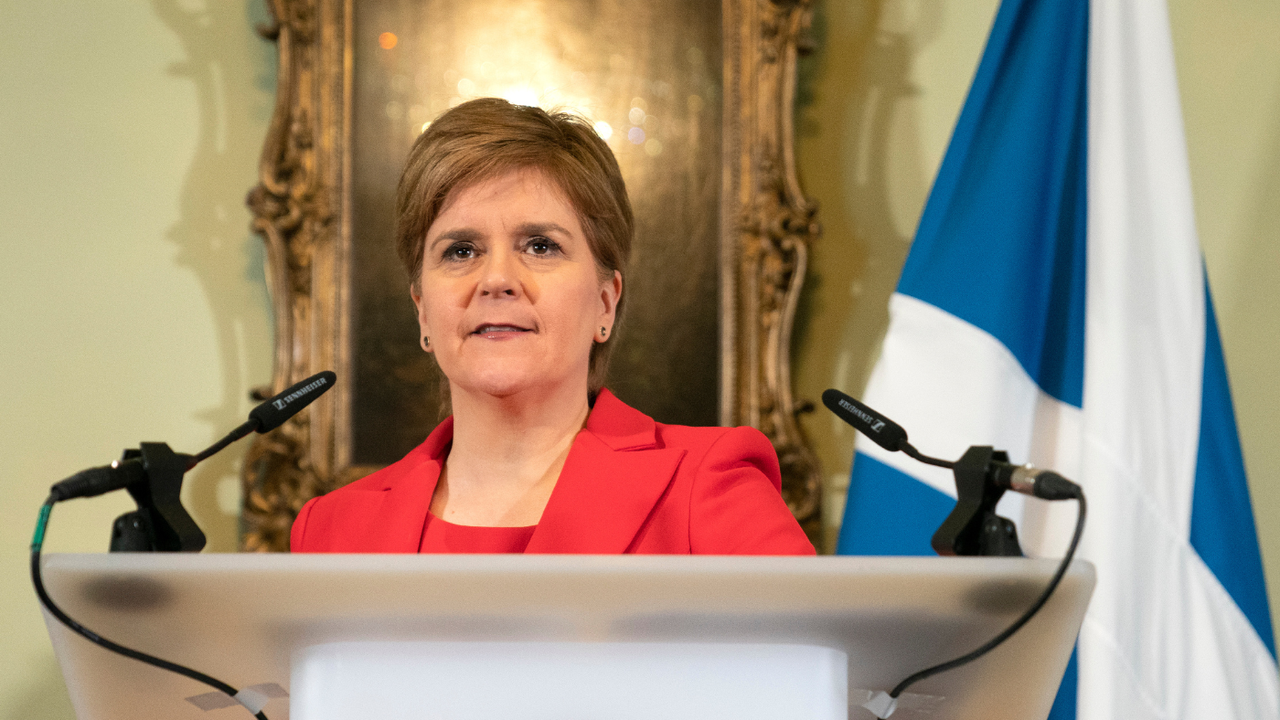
x=301 y=208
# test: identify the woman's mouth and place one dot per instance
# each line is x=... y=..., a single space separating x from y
x=496 y=329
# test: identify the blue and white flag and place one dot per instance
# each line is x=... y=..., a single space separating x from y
x=1054 y=304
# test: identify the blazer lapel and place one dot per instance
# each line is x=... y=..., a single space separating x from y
x=389 y=517
x=613 y=477
x=398 y=527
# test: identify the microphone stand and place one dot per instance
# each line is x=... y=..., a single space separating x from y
x=973 y=527
x=153 y=476
x=161 y=523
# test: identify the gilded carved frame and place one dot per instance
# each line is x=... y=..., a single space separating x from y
x=301 y=208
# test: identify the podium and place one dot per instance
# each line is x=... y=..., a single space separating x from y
x=457 y=637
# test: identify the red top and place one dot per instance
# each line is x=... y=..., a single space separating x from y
x=442 y=536
x=629 y=485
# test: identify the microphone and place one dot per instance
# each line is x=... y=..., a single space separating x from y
x=885 y=432
x=1025 y=479
x=272 y=413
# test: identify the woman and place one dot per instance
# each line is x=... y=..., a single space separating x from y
x=515 y=229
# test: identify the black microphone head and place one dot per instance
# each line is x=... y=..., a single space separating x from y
x=885 y=432
x=272 y=413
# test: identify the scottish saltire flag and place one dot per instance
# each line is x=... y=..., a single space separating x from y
x=1054 y=304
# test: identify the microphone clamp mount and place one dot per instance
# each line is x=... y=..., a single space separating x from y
x=160 y=524
x=973 y=527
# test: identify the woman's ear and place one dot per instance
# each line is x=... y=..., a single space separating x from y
x=415 y=293
x=610 y=294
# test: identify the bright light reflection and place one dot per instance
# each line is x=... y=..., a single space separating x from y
x=529 y=73
x=635 y=135
x=521 y=95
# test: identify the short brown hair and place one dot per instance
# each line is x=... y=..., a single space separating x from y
x=480 y=139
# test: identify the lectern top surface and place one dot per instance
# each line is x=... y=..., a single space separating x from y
x=241 y=617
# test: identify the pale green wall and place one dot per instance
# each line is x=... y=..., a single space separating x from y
x=879 y=100
x=135 y=307
x=1228 y=55
x=133 y=301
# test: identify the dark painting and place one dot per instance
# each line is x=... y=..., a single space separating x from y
x=649 y=76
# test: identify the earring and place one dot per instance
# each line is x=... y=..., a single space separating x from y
x=426 y=343
x=604 y=332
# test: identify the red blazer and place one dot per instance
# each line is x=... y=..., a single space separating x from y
x=629 y=485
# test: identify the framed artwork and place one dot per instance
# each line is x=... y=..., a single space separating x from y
x=695 y=99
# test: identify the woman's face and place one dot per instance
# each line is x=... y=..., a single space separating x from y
x=510 y=295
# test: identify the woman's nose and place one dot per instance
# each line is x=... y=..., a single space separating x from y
x=500 y=275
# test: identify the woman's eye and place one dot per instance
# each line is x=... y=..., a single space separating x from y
x=541 y=246
x=459 y=252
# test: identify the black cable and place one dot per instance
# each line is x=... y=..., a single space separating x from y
x=37 y=543
x=1017 y=624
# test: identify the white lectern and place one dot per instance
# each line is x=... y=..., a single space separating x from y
x=466 y=637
